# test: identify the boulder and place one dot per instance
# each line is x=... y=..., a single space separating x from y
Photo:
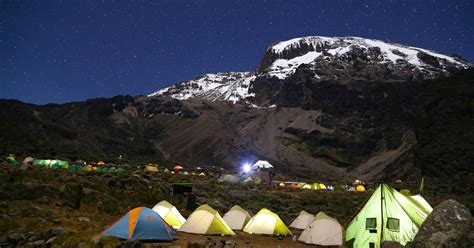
x=448 y=225
x=16 y=237
x=391 y=244
x=51 y=240
x=84 y=219
x=57 y=230
x=38 y=243
x=26 y=167
x=5 y=217
x=72 y=195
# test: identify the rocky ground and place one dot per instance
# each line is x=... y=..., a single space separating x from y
x=33 y=212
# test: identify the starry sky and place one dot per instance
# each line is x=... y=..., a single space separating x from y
x=63 y=51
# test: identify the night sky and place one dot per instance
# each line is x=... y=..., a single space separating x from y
x=62 y=51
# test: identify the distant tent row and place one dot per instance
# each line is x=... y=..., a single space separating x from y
x=76 y=166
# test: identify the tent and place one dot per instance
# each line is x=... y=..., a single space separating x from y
x=51 y=163
x=388 y=215
x=360 y=188
x=228 y=178
x=318 y=186
x=340 y=187
x=28 y=160
x=267 y=222
x=170 y=214
x=323 y=230
x=100 y=163
x=151 y=168
x=140 y=224
x=206 y=220
x=262 y=164
x=302 y=221
x=237 y=217
x=306 y=186
x=248 y=180
x=178 y=167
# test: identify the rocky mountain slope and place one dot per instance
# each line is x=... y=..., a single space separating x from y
x=357 y=108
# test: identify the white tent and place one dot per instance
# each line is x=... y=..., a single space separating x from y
x=237 y=217
x=169 y=214
x=262 y=164
x=302 y=221
x=268 y=223
x=324 y=230
x=206 y=220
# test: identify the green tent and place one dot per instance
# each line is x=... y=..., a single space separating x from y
x=51 y=163
x=387 y=216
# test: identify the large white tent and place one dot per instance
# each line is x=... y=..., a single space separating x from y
x=237 y=217
x=302 y=221
x=262 y=164
x=323 y=230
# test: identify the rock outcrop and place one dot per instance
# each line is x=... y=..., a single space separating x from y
x=447 y=226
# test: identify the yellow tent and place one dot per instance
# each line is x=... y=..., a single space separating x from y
x=306 y=186
x=360 y=188
x=100 y=163
x=268 y=223
x=318 y=186
x=169 y=214
x=206 y=220
x=151 y=168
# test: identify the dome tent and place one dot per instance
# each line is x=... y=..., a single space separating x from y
x=388 y=215
x=237 y=217
x=302 y=221
x=141 y=224
x=206 y=220
x=169 y=213
x=323 y=230
x=268 y=223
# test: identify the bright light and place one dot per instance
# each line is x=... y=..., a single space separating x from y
x=246 y=168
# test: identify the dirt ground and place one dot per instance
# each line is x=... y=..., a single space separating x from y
x=241 y=240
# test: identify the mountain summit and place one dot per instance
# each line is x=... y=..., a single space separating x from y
x=340 y=59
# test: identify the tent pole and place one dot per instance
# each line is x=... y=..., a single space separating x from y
x=381 y=213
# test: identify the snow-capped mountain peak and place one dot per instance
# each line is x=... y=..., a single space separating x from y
x=282 y=58
x=327 y=58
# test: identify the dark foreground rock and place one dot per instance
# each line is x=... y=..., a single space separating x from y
x=447 y=226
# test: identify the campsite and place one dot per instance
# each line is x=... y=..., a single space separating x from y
x=235 y=212
x=224 y=124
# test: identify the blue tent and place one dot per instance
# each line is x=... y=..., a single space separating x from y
x=141 y=224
